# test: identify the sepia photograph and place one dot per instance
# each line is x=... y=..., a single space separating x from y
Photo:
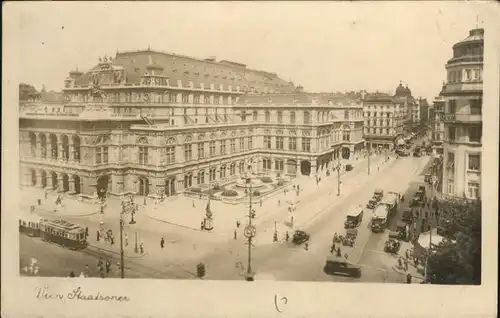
x=251 y=142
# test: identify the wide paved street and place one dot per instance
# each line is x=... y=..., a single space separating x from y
x=320 y=212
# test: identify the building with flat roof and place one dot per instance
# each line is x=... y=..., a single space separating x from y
x=151 y=123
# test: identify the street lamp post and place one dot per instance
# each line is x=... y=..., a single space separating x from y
x=249 y=232
x=338 y=175
x=122 y=257
x=369 y=155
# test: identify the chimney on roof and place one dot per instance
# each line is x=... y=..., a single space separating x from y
x=210 y=59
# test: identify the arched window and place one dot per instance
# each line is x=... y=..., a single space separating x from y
x=307 y=117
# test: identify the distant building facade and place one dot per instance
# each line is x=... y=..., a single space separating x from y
x=153 y=123
x=438 y=106
x=463 y=118
x=387 y=117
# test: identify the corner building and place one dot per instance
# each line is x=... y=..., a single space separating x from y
x=387 y=117
x=463 y=118
x=149 y=122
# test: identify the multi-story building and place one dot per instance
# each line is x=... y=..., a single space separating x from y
x=149 y=122
x=438 y=125
x=462 y=119
x=387 y=117
x=423 y=111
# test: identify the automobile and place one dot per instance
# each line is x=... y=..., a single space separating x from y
x=300 y=237
x=417 y=154
x=416 y=201
x=372 y=203
x=354 y=216
x=378 y=194
x=348 y=167
x=407 y=216
x=403 y=230
x=392 y=245
x=336 y=265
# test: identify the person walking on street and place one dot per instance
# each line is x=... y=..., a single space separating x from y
x=108 y=267
x=339 y=252
x=86 y=231
x=162 y=243
x=142 y=248
x=98 y=235
x=126 y=239
x=408 y=278
x=287 y=236
x=202 y=225
x=238 y=224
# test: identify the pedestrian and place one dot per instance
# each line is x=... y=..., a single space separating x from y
x=108 y=266
x=306 y=246
x=408 y=278
x=235 y=235
x=98 y=235
x=279 y=202
x=238 y=224
x=72 y=274
x=142 y=248
x=339 y=252
x=332 y=248
x=100 y=263
x=86 y=231
x=86 y=271
x=202 y=225
x=126 y=239
x=287 y=236
x=162 y=243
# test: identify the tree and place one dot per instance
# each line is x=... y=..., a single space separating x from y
x=27 y=92
x=457 y=260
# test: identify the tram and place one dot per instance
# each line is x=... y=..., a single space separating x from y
x=64 y=233
x=29 y=224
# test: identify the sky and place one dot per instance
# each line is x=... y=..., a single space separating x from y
x=323 y=46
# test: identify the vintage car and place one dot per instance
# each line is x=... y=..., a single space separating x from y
x=336 y=265
x=348 y=167
x=378 y=194
x=407 y=216
x=300 y=237
x=372 y=203
x=392 y=245
x=427 y=177
x=350 y=237
x=403 y=229
x=354 y=216
x=417 y=202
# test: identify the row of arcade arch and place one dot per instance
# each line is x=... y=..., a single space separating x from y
x=50 y=142
x=51 y=180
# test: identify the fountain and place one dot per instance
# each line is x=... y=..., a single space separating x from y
x=256 y=183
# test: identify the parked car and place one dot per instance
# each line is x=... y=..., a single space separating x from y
x=407 y=216
x=348 y=167
x=372 y=204
x=300 y=237
x=336 y=265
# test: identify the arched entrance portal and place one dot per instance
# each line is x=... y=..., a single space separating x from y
x=54 y=180
x=76 y=180
x=170 y=186
x=346 y=153
x=102 y=187
x=305 y=167
x=143 y=187
x=65 y=182
x=44 y=179
x=33 y=177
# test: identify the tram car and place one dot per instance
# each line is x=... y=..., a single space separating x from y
x=64 y=233
x=29 y=224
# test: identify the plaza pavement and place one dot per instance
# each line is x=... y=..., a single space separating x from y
x=189 y=212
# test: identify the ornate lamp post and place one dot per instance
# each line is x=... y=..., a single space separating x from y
x=249 y=232
x=338 y=175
